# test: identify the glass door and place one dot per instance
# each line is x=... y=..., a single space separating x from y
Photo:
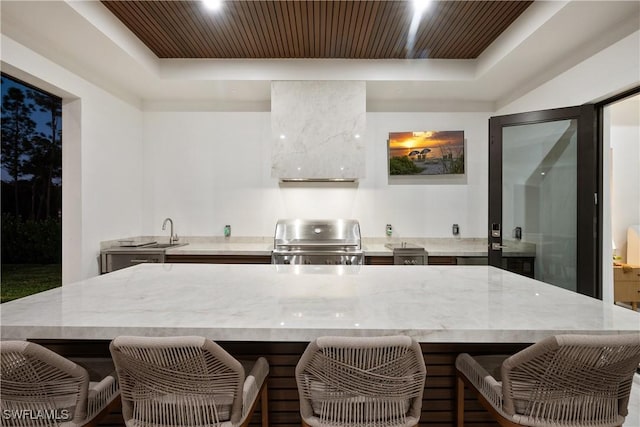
x=543 y=180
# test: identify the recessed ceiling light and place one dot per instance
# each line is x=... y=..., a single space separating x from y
x=212 y=4
x=420 y=6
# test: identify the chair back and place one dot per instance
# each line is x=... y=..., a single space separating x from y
x=361 y=381
x=39 y=387
x=571 y=380
x=177 y=381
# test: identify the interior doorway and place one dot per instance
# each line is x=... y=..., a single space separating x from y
x=621 y=187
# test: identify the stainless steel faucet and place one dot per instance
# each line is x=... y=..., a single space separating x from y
x=172 y=237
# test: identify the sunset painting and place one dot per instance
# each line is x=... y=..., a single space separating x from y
x=426 y=153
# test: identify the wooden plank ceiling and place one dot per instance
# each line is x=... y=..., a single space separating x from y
x=316 y=29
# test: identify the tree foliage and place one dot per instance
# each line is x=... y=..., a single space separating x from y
x=17 y=131
x=45 y=163
x=31 y=241
x=31 y=151
x=31 y=175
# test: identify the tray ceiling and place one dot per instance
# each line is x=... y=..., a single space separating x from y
x=316 y=29
x=86 y=38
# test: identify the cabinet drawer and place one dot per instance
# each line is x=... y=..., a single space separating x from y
x=441 y=260
x=123 y=260
x=630 y=276
x=378 y=260
x=626 y=291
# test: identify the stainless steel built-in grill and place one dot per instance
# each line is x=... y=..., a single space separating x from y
x=303 y=241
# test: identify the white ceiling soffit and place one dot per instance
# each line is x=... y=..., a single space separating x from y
x=548 y=38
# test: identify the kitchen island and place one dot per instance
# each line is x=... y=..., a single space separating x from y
x=299 y=303
x=275 y=310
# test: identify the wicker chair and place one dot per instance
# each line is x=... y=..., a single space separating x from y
x=187 y=381
x=566 y=380
x=345 y=381
x=41 y=388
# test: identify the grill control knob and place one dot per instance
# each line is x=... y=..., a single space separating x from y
x=306 y=261
x=348 y=262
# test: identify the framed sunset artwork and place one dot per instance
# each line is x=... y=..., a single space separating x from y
x=426 y=153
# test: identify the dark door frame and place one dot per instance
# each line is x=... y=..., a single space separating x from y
x=589 y=183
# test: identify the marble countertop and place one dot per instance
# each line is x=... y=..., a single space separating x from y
x=299 y=303
x=223 y=248
x=462 y=247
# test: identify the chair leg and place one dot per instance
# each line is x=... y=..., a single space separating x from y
x=263 y=399
x=459 y=401
x=461 y=381
x=264 y=406
x=114 y=405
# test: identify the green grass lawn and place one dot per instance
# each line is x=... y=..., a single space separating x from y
x=20 y=280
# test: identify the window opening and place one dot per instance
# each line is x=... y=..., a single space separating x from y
x=31 y=175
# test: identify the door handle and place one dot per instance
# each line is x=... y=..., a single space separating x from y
x=497 y=247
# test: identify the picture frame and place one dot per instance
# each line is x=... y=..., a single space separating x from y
x=426 y=153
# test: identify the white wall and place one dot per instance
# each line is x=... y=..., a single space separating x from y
x=207 y=169
x=605 y=74
x=102 y=159
x=624 y=135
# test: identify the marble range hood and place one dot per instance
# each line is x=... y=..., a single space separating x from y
x=318 y=130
